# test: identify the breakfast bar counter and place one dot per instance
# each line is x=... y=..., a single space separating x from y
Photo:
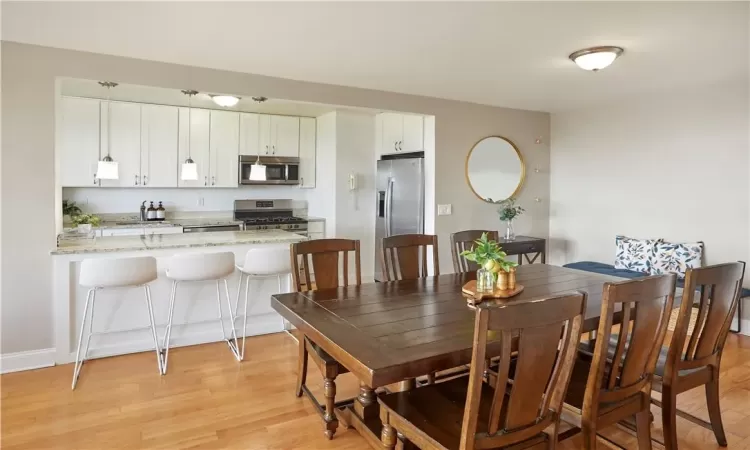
x=121 y=312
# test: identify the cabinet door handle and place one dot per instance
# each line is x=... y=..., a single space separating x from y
x=274 y=149
x=145 y=180
x=213 y=181
x=266 y=149
x=205 y=181
x=94 y=178
x=399 y=145
x=395 y=145
x=136 y=180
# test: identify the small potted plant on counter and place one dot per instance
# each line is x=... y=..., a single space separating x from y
x=70 y=209
x=84 y=222
x=509 y=211
x=494 y=269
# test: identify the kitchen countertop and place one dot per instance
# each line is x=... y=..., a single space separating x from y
x=167 y=241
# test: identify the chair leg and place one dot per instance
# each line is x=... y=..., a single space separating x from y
x=714 y=412
x=301 y=365
x=588 y=435
x=388 y=437
x=669 y=417
x=153 y=329
x=78 y=364
x=168 y=331
x=232 y=341
x=329 y=388
x=643 y=429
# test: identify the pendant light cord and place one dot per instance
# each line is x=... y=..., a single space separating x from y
x=109 y=85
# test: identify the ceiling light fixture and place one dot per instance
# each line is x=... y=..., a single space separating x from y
x=106 y=168
x=226 y=101
x=189 y=170
x=595 y=58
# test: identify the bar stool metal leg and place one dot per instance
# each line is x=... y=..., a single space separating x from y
x=241 y=350
x=153 y=328
x=78 y=364
x=168 y=330
x=232 y=340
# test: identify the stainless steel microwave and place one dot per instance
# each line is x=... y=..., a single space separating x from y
x=279 y=170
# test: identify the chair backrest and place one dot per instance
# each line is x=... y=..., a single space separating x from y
x=323 y=256
x=647 y=302
x=464 y=240
x=548 y=334
x=717 y=289
x=404 y=256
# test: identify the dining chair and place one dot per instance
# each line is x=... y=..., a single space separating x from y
x=613 y=374
x=404 y=256
x=692 y=361
x=322 y=255
x=464 y=240
x=523 y=408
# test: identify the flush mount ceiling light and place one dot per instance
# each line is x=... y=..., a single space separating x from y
x=227 y=101
x=595 y=58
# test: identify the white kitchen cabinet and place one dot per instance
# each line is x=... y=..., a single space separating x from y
x=279 y=135
x=249 y=134
x=307 y=139
x=224 y=149
x=413 y=140
x=400 y=133
x=78 y=145
x=124 y=143
x=159 y=134
x=285 y=131
x=198 y=140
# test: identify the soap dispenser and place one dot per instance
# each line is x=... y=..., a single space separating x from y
x=151 y=212
x=161 y=213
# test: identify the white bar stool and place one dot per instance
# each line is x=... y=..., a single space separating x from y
x=260 y=263
x=99 y=274
x=199 y=267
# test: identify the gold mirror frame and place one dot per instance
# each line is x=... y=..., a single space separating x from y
x=520 y=159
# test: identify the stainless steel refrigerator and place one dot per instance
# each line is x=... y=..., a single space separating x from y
x=399 y=201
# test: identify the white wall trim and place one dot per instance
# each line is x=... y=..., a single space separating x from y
x=34 y=359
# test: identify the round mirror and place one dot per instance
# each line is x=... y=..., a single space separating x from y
x=495 y=169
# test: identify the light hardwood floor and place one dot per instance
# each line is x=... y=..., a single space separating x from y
x=209 y=401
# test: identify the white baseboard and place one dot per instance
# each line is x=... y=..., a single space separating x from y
x=34 y=359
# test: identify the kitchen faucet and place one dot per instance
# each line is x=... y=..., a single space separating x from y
x=143 y=211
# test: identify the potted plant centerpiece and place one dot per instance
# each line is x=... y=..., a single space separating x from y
x=494 y=271
x=509 y=211
x=84 y=222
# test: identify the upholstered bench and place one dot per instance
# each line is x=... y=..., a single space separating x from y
x=608 y=269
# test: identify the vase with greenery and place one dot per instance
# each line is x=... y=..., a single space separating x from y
x=509 y=211
x=493 y=267
x=84 y=222
x=70 y=209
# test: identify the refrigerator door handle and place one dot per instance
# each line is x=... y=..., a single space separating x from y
x=389 y=207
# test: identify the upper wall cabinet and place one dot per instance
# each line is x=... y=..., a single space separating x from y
x=224 y=148
x=399 y=133
x=279 y=135
x=159 y=134
x=249 y=134
x=307 y=139
x=121 y=133
x=78 y=144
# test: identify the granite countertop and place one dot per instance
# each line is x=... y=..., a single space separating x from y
x=167 y=241
x=314 y=219
x=173 y=222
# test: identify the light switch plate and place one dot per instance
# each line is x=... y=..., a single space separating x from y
x=444 y=210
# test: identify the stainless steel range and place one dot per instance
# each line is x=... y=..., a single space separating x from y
x=269 y=215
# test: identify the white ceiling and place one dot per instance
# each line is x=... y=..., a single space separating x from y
x=510 y=54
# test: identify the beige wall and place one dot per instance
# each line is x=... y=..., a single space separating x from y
x=673 y=166
x=28 y=187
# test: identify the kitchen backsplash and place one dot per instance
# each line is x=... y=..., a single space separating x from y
x=128 y=201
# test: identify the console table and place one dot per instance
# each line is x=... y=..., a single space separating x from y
x=526 y=247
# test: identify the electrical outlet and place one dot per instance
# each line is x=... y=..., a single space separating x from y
x=444 y=210
x=200 y=201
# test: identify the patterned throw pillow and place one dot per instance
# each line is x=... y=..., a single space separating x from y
x=676 y=258
x=635 y=254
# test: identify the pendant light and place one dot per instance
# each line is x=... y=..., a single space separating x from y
x=258 y=170
x=106 y=168
x=189 y=167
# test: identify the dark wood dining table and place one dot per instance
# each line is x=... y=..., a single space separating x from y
x=386 y=333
